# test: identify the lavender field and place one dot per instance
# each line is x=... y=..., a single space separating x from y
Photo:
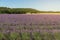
x=29 y=27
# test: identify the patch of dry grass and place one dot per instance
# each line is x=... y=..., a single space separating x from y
x=51 y=13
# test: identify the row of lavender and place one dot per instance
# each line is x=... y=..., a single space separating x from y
x=27 y=23
x=34 y=27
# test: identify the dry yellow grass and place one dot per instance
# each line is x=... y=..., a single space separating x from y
x=50 y=13
x=45 y=13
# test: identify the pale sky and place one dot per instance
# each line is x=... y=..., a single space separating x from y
x=49 y=5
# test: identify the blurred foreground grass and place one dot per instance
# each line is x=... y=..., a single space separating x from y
x=30 y=36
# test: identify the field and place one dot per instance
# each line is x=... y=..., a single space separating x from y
x=29 y=27
x=45 y=13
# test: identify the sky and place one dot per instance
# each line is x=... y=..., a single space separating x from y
x=45 y=5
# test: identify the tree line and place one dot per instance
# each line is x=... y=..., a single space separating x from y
x=6 y=10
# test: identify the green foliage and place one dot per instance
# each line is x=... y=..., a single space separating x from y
x=1 y=36
x=7 y=36
x=57 y=35
x=14 y=36
x=49 y=36
x=37 y=36
x=25 y=36
x=5 y=10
